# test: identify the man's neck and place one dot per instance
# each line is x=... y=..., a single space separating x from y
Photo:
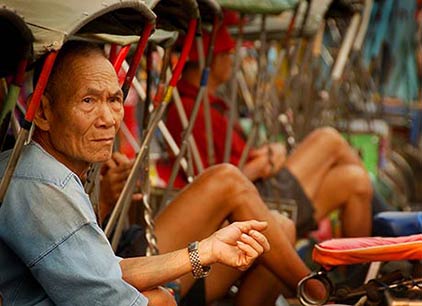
x=79 y=168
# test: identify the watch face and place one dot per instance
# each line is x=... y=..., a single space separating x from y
x=193 y=246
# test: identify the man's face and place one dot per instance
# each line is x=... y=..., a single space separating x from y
x=222 y=66
x=87 y=112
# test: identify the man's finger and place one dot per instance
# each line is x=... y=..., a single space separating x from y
x=250 y=253
x=246 y=226
x=259 y=151
x=124 y=168
x=120 y=158
x=118 y=177
x=262 y=240
x=137 y=197
x=111 y=163
x=252 y=243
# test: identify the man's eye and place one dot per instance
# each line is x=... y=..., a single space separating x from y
x=88 y=100
x=115 y=99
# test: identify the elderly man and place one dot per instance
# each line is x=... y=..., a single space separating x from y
x=52 y=250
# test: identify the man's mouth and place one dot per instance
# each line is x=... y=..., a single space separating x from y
x=106 y=139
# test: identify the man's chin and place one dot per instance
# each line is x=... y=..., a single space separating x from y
x=101 y=157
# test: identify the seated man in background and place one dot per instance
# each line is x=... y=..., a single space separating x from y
x=52 y=251
x=322 y=174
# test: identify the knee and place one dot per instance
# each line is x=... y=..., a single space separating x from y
x=361 y=182
x=329 y=139
x=230 y=178
x=329 y=136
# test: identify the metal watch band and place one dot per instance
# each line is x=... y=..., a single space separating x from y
x=198 y=270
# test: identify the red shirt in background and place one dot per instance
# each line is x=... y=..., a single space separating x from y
x=219 y=122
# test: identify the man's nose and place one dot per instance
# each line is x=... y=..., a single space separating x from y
x=106 y=115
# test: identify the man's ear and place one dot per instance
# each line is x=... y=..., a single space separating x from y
x=43 y=114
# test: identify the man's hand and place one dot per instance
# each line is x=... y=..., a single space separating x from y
x=114 y=174
x=236 y=245
x=269 y=158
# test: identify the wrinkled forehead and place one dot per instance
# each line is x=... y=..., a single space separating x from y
x=87 y=63
x=80 y=70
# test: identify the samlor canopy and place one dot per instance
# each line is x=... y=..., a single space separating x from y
x=164 y=38
x=160 y=37
x=52 y=22
x=277 y=26
x=209 y=9
x=174 y=15
x=259 y=7
x=17 y=41
x=345 y=8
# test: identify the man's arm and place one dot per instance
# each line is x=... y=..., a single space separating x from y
x=263 y=163
x=236 y=245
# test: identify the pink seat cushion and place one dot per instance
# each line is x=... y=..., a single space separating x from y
x=348 y=251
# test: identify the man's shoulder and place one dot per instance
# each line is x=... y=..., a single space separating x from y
x=36 y=164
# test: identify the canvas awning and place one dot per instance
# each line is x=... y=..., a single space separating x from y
x=276 y=26
x=174 y=15
x=209 y=9
x=160 y=37
x=52 y=22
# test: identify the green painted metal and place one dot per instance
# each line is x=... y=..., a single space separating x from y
x=259 y=7
x=367 y=144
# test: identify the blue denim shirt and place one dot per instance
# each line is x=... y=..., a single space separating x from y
x=52 y=251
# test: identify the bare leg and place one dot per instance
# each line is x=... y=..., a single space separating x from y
x=347 y=187
x=223 y=193
x=259 y=287
x=259 y=277
x=321 y=150
x=333 y=177
x=259 y=284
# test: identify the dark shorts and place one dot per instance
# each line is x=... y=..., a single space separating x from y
x=196 y=295
x=285 y=187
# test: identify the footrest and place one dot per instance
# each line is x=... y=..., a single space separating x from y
x=397 y=223
x=347 y=251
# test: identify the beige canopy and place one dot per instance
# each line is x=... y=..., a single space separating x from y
x=52 y=22
x=277 y=25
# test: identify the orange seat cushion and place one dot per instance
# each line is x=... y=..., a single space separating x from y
x=348 y=251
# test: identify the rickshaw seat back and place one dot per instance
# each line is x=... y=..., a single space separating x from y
x=397 y=223
x=347 y=251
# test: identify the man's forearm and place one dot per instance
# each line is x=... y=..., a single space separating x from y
x=236 y=245
x=253 y=169
x=149 y=272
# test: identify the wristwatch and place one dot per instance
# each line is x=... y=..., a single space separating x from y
x=198 y=270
